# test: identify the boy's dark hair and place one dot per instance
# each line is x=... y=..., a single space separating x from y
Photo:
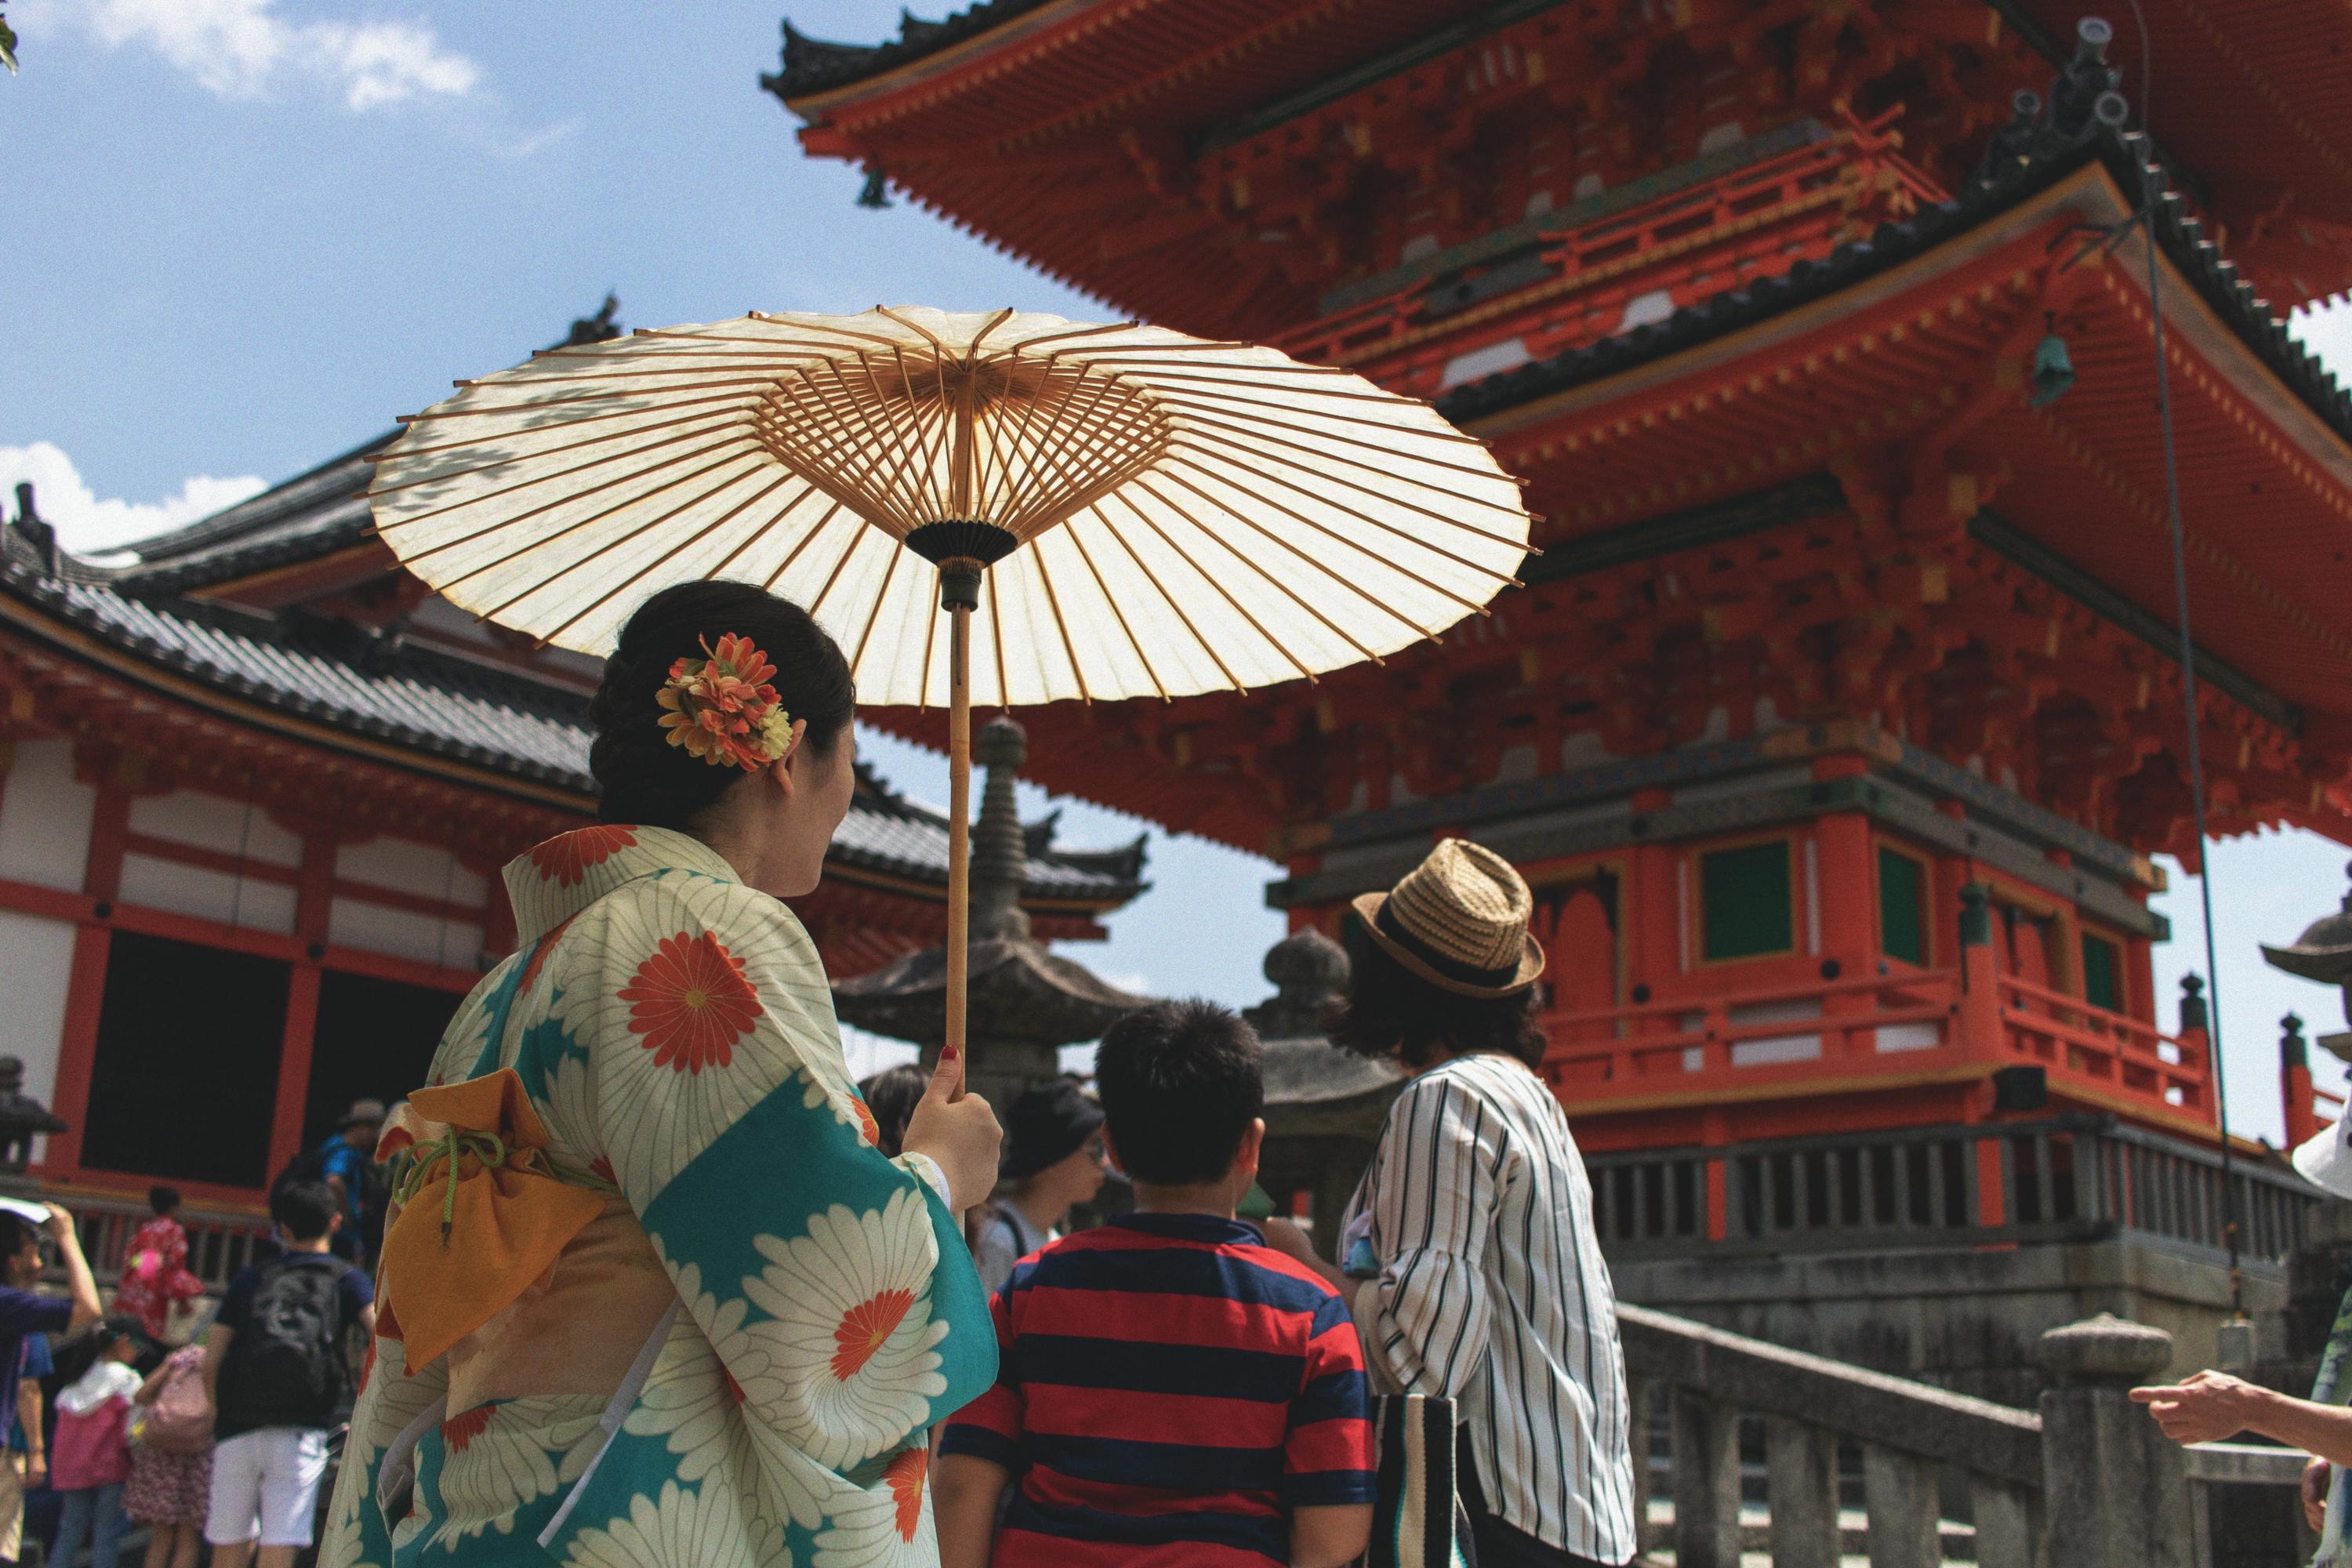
x=1389 y=1011
x=162 y=1200
x=16 y=1230
x=307 y=1209
x=1180 y=1086
x=892 y=1095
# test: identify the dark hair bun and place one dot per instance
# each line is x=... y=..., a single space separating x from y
x=640 y=777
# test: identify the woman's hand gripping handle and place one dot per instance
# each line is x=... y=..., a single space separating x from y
x=956 y=1131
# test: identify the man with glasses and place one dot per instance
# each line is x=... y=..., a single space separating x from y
x=25 y=1316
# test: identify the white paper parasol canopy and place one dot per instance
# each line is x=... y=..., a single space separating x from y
x=1157 y=515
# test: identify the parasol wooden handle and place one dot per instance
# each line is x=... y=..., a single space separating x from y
x=959 y=831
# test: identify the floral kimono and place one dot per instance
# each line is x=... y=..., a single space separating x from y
x=155 y=1276
x=651 y=1297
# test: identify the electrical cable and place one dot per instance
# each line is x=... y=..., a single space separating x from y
x=2214 y=1060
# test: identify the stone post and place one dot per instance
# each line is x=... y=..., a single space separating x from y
x=2115 y=1489
x=2195 y=1035
x=2295 y=1083
x=1707 y=1480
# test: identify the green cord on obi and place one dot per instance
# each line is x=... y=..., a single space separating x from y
x=492 y=1152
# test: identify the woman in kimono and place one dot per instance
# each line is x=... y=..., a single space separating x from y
x=650 y=1295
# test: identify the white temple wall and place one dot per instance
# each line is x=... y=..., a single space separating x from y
x=45 y=817
x=453 y=942
x=207 y=895
x=36 y=973
x=216 y=823
x=407 y=867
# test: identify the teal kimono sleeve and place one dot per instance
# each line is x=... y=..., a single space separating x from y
x=830 y=1281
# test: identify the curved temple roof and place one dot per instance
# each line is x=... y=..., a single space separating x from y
x=439 y=705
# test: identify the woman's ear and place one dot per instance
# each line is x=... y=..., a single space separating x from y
x=781 y=768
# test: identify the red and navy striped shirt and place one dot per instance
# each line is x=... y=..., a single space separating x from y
x=1169 y=1388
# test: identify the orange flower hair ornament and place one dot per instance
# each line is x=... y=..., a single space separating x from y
x=722 y=709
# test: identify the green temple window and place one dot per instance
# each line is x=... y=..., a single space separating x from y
x=1747 y=906
x=1902 y=906
x=2103 y=971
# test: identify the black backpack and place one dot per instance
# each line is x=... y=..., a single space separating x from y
x=285 y=1365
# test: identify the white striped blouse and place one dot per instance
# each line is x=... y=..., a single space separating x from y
x=1492 y=1292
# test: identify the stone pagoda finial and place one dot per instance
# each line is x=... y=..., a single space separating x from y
x=1000 y=853
x=1308 y=969
x=2322 y=952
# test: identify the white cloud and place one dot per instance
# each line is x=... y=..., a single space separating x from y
x=238 y=48
x=532 y=143
x=88 y=526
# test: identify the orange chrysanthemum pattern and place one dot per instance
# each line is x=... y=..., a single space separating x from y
x=691 y=1002
x=539 y=952
x=722 y=709
x=568 y=857
x=459 y=1431
x=905 y=1474
x=865 y=1327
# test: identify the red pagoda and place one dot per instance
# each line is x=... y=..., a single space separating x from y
x=1840 y=715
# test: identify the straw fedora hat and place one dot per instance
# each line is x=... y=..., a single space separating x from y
x=1459 y=920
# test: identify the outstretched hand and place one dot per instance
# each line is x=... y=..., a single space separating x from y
x=2205 y=1408
x=956 y=1131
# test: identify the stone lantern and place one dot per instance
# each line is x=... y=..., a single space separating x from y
x=22 y=1119
x=1023 y=1003
x=2322 y=952
x=1324 y=1106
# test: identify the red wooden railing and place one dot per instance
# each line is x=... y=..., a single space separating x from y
x=1893 y=1025
x=1788 y=1032
x=2075 y=1040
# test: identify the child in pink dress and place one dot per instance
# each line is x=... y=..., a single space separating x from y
x=170 y=1485
x=155 y=1274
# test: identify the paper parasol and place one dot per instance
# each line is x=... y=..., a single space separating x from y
x=1104 y=511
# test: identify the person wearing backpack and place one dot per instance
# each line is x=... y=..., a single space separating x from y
x=276 y=1370
x=342 y=1161
x=171 y=1486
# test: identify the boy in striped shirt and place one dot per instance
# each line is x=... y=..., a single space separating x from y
x=1172 y=1391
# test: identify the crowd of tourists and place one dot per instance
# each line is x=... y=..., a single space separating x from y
x=221 y=1438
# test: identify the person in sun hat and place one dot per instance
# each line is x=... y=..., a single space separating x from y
x=1469 y=1245
x=1052 y=1163
x=2214 y=1405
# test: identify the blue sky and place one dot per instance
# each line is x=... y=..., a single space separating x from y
x=247 y=233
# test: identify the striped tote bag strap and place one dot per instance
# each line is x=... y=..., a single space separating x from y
x=1416 y=1521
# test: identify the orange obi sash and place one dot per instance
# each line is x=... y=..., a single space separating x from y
x=483 y=1212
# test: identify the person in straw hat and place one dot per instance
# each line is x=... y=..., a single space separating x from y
x=1469 y=1245
x=2213 y=1406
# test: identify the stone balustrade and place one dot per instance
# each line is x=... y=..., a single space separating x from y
x=2086 y=1482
